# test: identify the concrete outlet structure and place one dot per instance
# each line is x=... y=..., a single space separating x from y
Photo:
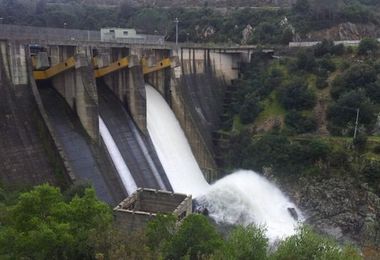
x=137 y=210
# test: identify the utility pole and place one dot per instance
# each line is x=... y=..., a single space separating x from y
x=356 y=122
x=176 y=30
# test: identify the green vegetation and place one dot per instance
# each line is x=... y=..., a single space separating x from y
x=308 y=15
x=41 y=224
x=44 y=224
x=309 y=245
x=289 y=93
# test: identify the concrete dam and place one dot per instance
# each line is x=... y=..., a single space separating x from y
x=58 y=95
x=133 y=120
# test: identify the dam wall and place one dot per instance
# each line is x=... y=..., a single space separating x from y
x=77 y=85
x=194 y=86
x=197 y=91
x=27 y=154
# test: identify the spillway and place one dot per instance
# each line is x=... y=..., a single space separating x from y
x=242 y=197
x=131 y=146
x=77 y=147
x=114 y=152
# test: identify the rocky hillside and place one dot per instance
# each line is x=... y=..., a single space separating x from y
x=345 y=31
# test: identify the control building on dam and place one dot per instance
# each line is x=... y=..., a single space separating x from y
x=73 y=108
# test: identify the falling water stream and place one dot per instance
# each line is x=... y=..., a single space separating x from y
x=243 y=197
x=117 y=158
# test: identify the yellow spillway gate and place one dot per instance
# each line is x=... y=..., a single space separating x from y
x=163 y=64
x=54 y=70
x=118 y=65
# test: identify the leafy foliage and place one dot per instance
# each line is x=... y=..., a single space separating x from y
x=42 y=225
x=306 y=244
x=342 y=114
x=368 y=45
x=246 y=243
x=160 y=231
x=196 y=237
x=296 y=95
x=299 y=123
x=250 y=109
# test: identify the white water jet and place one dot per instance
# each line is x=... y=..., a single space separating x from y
x=120 y=165
x=172 y=147
x=243 y=197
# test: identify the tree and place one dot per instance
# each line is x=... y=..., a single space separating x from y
x=297 y=96
x=302 y=6
x=307 y=244
x=358 y=76
x=305 y=61
x=323 y=48
x=367 y=46
x=160 y=231
x=318 y=150
x=246 y=243
x=342 y=114
x=41 y=225
x=250 y=109
x=196 y=237
x=299 y=123
x=269 y=151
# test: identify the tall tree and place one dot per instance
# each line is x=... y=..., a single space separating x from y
x=42 y=225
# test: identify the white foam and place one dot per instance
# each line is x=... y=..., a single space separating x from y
x=245 y=197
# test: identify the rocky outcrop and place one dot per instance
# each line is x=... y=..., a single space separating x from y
x=204 y=32
x=341 y=207
x=345 y=31
x=247 y=34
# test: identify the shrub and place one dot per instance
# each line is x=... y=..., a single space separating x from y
x=343 y=112
x=326 y=64
x=305 y=61
x=195 y=237
x=300 y=124
x=376 y=149
x=318 y=150
x=356 y=13
x=297 y=96
x=246 y=243
x=338 y=49
x=250 y=109
x=368 y=45
x=360 y=142
x=356 y=77
x=338 y=158
x=321 y=82
x=307 y=244
x=323 y=48
x=160 y=231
